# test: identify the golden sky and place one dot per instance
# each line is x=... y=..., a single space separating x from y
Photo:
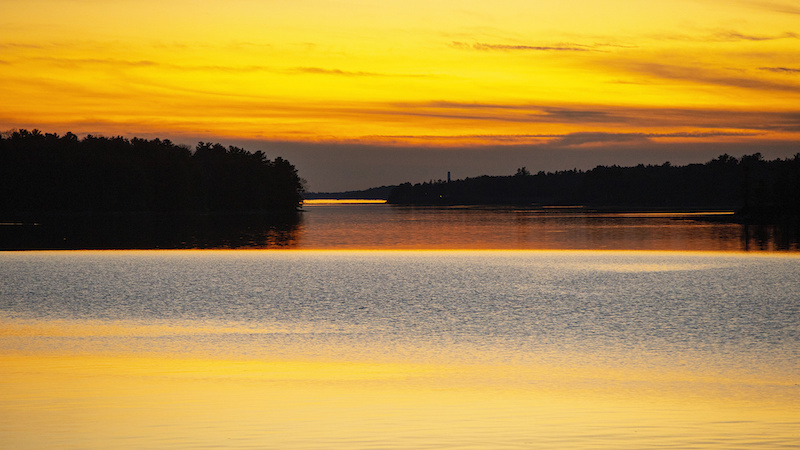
x=414 y=73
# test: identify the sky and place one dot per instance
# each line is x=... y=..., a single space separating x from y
x=367 y=93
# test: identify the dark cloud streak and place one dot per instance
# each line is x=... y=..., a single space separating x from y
x=777 y=7
x=585 y=116
x=697 y=75
x=781 y=69
x=83 y=62
x=346 y=73
x=728 y=36
x=737 y=36
x=599 y=114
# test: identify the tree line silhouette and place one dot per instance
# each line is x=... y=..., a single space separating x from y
x=52 y=174
x=753 y=186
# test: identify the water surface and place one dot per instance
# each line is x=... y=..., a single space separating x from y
x=399 y=349
x=381 y=226
x=480 y=227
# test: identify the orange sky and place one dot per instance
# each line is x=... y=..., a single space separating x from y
x=410 y=74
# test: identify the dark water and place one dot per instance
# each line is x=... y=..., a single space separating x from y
x=380 y=226
x=80 y=232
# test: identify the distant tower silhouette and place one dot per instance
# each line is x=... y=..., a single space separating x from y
x=448 y=176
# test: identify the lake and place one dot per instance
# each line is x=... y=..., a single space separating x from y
x=403 y=337
x=333 y=225
x=380 y=226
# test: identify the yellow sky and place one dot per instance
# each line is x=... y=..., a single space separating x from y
x=404 y=72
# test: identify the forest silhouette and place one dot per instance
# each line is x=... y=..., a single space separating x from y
x=756 y=188
x=62 y=192
x=44 y=173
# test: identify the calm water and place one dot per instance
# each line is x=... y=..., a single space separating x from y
x=388 y=226
x=400 y=349
x=380 y=226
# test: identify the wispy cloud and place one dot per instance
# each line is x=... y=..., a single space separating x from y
x=19 y=45
x=582 y=139
x=481 y=46
x=114 y=62
x=738 y=36
x=337 y=72
x=727 y=36
x=702 y=134
x=348 y=73
x=777 y=6
x=781 y=70
x=521 y=113
x=103 y=62
x=708 y=77
x=576 y=139
x=111 y=63
x=584 y=115
x=601 y=115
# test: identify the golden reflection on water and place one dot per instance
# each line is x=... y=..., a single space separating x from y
x=340 y=201
x=56 y=399
x=129 y=401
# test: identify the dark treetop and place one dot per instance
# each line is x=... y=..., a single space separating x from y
x=52 y=174
x=751 y=185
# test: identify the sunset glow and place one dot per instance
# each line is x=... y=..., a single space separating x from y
x=405 y=73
